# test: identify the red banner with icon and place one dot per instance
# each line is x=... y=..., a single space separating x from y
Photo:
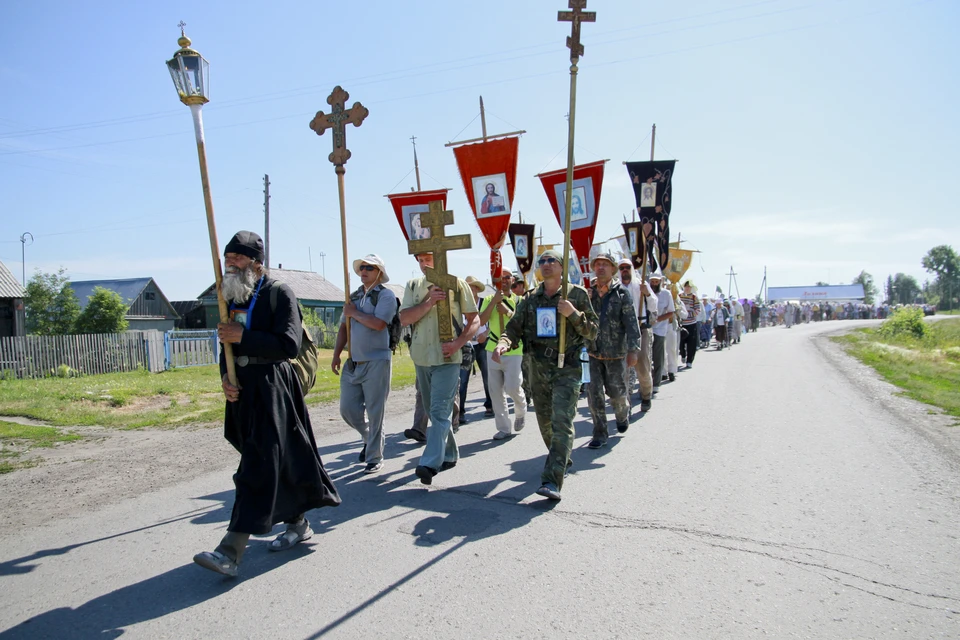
x=489 y=173
x=585 y=204
x=408 y=207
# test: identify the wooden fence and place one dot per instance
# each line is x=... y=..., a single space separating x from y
x=42 y=356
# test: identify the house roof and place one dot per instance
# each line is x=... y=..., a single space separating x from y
x=183 y=307
x=129 y=290
x=306 y=285
x=9 y=287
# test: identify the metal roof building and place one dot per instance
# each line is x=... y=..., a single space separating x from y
x=147 y=307
x=12 y=318
x=312 y=290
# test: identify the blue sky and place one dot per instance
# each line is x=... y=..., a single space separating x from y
x=816 y=138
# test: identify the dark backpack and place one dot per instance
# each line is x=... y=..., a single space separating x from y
x=306 y=363
x=394 y=327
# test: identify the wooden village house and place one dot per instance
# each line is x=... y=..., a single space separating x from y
x=12 y=317
x=147 y=307
x=312 y=290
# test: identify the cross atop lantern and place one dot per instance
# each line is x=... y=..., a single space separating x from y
x=190 y=72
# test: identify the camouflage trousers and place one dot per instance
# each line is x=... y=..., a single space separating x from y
x=555 y=395
x=609 y=375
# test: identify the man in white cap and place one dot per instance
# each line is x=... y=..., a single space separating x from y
x=665 y=311
x=641 y=291
x=365 y=377
x=615 y=347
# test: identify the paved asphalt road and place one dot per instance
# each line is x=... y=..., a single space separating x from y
x=768 y=494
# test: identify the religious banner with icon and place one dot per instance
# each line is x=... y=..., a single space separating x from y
x=408 y=207
x=522 y=239
x=677 y=265
x=633 y=239
x=654 y=194
x=489 y=173
x=584 y=204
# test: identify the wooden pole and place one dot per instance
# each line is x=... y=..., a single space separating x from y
x=416 y=163
x=343 y=235
x=266 y=220
x=483 y=120
x=567 y=211
x=195 y=110
x=653 y=140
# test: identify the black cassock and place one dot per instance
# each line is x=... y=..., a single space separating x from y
x=280 y=475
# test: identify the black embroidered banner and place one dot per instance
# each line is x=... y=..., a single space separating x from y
x=654 y=195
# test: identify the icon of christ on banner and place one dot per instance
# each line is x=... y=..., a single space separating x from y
x=491 y=194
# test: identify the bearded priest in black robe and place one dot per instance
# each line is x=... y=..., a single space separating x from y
x=280 y=476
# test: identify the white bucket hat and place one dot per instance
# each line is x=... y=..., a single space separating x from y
x=375 y=260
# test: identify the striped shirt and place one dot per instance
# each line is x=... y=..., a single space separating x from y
x=692 y=304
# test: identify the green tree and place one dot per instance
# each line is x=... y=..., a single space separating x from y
x=945 y=262
x=888 y=290
x=105 y=313
x=821 y=283
x=904 y=289
x=869 y=289
x=51 y=304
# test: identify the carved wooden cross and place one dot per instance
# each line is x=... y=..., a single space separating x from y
x=336 y=120
x=438 y=244
x=576 y=16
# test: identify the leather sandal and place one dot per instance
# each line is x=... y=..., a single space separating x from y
x=290 y=537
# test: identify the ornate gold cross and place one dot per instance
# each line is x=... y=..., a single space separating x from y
x=336 y=120
x=576 y=16
x=438 y=244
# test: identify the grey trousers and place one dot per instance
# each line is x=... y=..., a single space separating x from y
x=659 y=352
x=366 y=387
x=643 y=364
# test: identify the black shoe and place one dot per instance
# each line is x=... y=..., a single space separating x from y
x=414 y=435
x=645 y=405
x=463 y=418
x=671 y=377
x=363 y=454
x=596 y=443
x=373 y=467
x=622 y=428
x=488 y=413
x=446 y=466
x=425 y=474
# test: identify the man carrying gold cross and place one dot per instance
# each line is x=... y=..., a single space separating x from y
x=437 y=362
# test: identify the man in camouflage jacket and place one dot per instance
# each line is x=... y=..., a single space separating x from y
x=555 y=390
x=616 y=346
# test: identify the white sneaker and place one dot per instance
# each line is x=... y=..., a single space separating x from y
x=518 y=423
x=500 y=435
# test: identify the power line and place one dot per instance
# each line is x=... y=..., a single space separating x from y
x=498 y=56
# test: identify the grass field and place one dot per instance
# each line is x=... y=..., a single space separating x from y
x=141 y=399
x=926 y=368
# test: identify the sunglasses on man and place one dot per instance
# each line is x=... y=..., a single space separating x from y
x=548 y=260
x=367 y=267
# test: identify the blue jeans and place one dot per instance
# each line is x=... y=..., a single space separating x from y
x=438 y=386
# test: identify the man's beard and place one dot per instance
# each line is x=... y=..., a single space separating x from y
x=655 y=287
x=625 y=277
x=238 y=285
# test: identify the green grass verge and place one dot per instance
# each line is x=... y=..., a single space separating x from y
x=926 y=369
x=141 y=399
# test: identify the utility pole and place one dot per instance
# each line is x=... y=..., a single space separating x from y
x=323 y=265
x=23 y=256
x=731 y=282
x=266 y=220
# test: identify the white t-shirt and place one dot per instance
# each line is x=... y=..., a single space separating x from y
x=664 y=305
